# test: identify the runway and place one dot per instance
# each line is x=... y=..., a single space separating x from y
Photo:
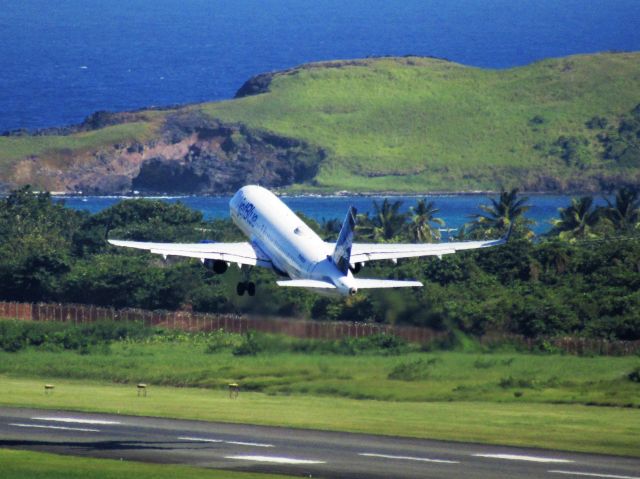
x=295 y=452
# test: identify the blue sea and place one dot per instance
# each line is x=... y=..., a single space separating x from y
x=62 y=60
x=455 y=210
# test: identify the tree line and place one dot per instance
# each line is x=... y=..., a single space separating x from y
x=582 y=278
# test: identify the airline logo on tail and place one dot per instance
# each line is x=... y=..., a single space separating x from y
x=342 y=254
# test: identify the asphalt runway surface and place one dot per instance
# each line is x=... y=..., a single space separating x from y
x=296 y=452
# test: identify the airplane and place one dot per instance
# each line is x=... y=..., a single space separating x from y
x=280 y=241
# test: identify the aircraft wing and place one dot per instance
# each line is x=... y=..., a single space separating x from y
x=240 y=253
x=363 y=252
x=360 y=283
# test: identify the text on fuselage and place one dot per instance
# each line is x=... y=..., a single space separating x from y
x=247 y=211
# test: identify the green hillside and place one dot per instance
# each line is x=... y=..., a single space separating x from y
x=418 y=123
x=406 y=124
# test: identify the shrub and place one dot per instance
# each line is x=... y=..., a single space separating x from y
x=511 y=382
x=53 y=336
x=454 y=340
x=250 y=345
x=413 y=371
x=546 y=346
x=634 y=375
x=484 y=363
x=220 y=341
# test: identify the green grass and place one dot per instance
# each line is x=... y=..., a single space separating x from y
x=34 y=465
x=417 y=124
x=555 y=426
x=443 y=376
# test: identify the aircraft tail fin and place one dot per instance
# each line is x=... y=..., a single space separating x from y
x=342 y=254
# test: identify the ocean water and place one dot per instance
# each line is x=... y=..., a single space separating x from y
x=455 y=210
x=62 y=60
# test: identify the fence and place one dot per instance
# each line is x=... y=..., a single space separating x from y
x=193 y=322
x=233 y=323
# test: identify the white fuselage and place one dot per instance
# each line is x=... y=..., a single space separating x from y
x=294 y=249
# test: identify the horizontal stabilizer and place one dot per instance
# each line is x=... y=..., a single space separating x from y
x=306 y=283
x=362 y=283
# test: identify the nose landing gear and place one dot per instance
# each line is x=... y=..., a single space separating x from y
x=248 y=286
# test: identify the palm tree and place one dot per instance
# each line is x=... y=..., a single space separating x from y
x=577 y=221
x=331 y=228
x=506 y=210
x=364 y=227
x=624 y=213
x=421 y=228
x=387 y=220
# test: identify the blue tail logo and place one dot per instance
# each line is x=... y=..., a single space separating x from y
x=342 y=253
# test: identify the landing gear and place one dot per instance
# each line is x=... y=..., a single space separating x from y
x=248 y=286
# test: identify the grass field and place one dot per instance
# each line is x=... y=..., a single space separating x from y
x=499 y=398
x=414 y=376
x=554 y=426
x=35 y=465
x=417 y=124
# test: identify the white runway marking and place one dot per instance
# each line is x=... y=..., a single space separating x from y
x=515 y=457
x=64 y=428
x=254 y=444
x=237 y=443
x=407 y=458
x=76 y=420
x=592 y=474
x=199 y=439
x=276 y=460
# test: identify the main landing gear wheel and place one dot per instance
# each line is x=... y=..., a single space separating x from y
x=248 y=286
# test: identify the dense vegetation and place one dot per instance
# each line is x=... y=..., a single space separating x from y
x=583 y=279
x=402 y=124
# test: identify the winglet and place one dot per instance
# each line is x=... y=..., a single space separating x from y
x=342 y=254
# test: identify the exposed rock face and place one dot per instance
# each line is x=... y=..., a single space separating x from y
x=193 y=154
x=255 y=85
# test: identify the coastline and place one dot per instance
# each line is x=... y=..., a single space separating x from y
x=336 y=194
x=212 y=149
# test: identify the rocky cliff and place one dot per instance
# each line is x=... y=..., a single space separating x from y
x=192 y=154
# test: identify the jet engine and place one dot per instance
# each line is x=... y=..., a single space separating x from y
x=216 y=265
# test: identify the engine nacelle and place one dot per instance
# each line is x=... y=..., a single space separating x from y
x=216 y=265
